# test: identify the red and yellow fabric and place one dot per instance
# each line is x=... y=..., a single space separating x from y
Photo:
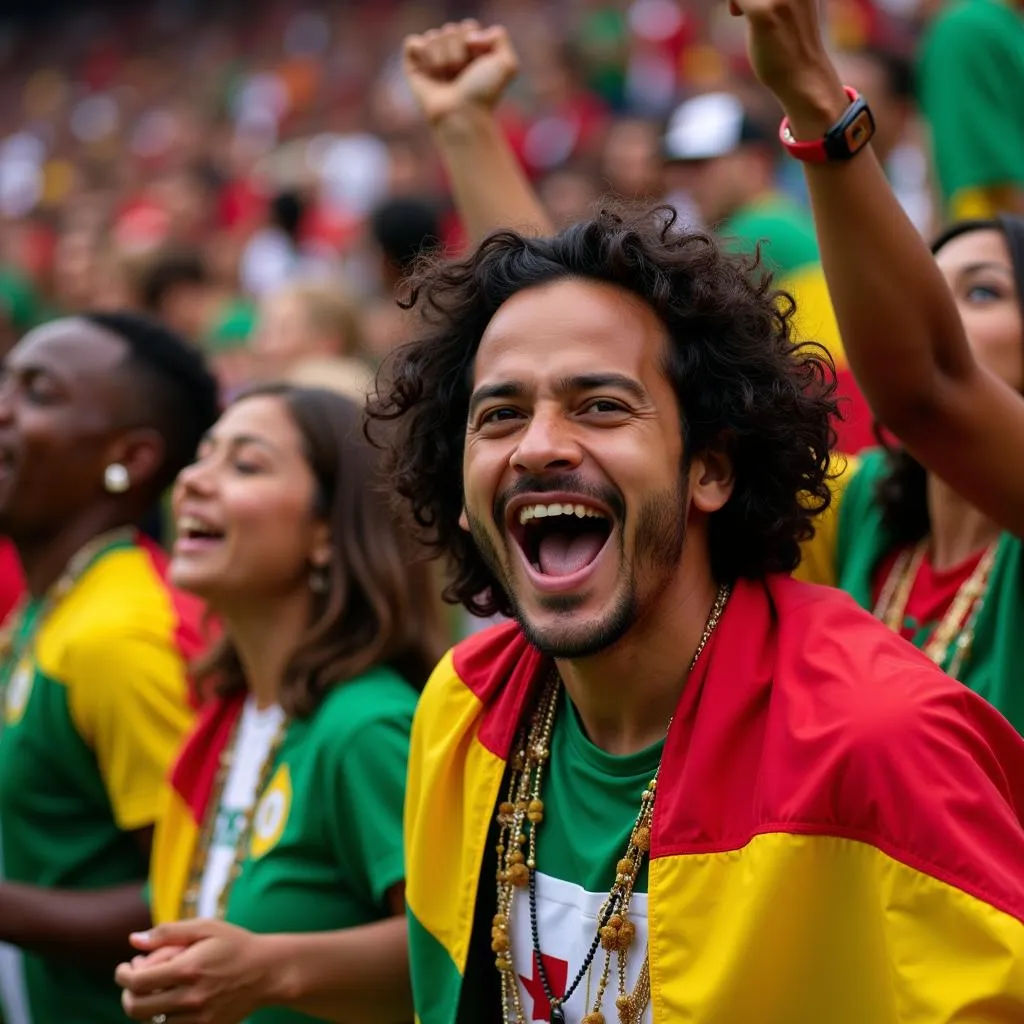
x=838 y=834
x=188 y=798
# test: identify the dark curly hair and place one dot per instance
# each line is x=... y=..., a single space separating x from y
x=902 y=493
x=743 y=382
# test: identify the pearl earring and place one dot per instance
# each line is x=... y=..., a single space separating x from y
x=319 y=579
x=116 y=479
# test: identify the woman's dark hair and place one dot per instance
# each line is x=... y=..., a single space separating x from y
x=744 y=384
x=381 y=604
x=902 y=493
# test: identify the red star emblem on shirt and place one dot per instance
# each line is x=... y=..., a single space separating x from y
x=557 y=972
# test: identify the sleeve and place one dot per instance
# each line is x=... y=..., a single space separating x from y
x=818 y=561
x=129 y=701
x=970 y=89
x=366 y=797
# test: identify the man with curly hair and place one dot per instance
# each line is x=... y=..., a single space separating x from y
x=679 y=785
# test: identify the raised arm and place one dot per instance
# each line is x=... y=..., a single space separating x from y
x=458 y=74
x=900 y=326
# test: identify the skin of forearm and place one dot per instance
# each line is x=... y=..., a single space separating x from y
x=89 y=928
x=489 y=186
x=901 y=330
x=356 y=976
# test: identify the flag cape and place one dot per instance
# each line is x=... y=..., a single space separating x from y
x=190 y=791
x=992 y=666
x=837 y=835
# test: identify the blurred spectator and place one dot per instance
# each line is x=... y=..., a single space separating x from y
x=174 y=285
x=274 y=254
x=569 y=195
x=885 y=78
x=403 y=230
x=971 y=75
x=631 y=159
x=302 y=321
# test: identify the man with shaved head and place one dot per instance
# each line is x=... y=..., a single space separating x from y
x=97 y=415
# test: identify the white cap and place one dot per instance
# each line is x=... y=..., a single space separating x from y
x=705 y=127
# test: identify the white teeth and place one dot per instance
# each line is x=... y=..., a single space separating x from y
x=192 y=524
x=528 y=512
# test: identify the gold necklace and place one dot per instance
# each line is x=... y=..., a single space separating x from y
x=197 y=866
x=524 y=810
x=956 y=628
x=11 y=650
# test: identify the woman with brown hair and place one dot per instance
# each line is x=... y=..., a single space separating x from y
x=278 y=880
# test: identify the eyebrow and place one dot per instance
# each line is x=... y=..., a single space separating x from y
x=972 y=268
x=240 y=439
x=563 y=386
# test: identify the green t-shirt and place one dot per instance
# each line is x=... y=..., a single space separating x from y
x=591 y=801
x=992 y=667
x=326 y=843
x=95 y=707
x=970 y=84
x=785 y=230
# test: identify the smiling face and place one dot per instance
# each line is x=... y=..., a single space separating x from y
x=245 y=509
x=979 y=271
x=575 y=487
x=61 y=404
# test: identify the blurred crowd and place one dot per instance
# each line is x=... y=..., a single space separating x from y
x=260 y=178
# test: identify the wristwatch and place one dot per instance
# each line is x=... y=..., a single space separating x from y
x=845 y=139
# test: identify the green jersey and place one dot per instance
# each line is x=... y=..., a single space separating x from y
x=971 y=80
x=96 y=705
x=325 y=844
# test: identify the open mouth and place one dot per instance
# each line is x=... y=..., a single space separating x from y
x=192 y=528
x=560 y=539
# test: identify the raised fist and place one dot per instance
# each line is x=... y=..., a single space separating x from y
x=458 y=66
x=788 y=54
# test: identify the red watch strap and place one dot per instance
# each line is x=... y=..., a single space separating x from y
x=810 y=152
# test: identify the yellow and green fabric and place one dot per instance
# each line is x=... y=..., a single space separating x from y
x=96 y=707
x=970 y=83
x=837 y=837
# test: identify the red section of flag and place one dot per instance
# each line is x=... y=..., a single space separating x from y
x=557 y=972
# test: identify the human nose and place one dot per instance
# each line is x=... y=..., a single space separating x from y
x=547 y=443
x=196 y=479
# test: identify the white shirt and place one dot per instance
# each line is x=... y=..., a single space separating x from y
x=567 y=923
x=257 y=730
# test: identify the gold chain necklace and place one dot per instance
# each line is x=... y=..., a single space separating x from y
x=200 y=855
x=524 y=809
x=11 y=651
x=956 y=628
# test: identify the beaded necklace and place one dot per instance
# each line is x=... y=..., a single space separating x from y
x=956 y=628
x=524 y=809
x=190 y=899
x=18 y=638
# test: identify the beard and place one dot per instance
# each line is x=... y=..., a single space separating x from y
x=643 y=576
